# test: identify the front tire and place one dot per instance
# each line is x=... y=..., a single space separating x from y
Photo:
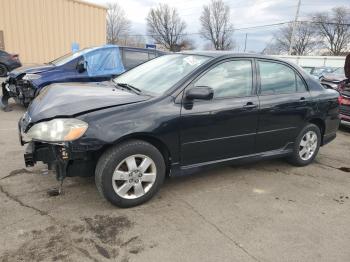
x=306 y=146
x=130 y=173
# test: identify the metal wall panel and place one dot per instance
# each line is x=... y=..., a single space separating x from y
x=42 y=30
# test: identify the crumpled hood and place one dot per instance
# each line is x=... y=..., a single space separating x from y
x=334 y=77
x=31 y=69
x=69 y=99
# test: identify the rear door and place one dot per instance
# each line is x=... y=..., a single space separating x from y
x=285 y=104
x=224 y=127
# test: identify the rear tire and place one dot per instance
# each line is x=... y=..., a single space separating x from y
x=3 y=70
x=130 y=173
x=306 y=146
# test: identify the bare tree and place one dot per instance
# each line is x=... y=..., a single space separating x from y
x=334 y=28
x=118 y=26
x=305 y=39
x=271 y=48
x=165 y=26
x=216 y=26
x=187 y=44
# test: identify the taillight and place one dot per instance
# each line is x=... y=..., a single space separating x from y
x=340 y=98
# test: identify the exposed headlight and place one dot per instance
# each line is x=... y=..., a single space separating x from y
x=58 y=130
x=31 y=77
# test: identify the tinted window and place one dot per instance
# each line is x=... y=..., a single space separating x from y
x=229 y=79
x=134 y=58
x=279 y=79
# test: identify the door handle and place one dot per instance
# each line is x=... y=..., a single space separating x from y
x=250 y=105
x=302 y=98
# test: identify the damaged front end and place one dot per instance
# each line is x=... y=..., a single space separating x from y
x=61 y=156
x=21 y=88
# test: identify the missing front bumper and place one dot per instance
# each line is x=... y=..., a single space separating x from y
x=61 y=159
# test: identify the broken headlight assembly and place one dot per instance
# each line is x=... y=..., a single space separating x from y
x=28 y=77
x=58 y=130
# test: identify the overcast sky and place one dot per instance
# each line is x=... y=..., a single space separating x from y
x=244 y=13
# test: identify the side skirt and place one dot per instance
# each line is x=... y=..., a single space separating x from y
x=178 y=170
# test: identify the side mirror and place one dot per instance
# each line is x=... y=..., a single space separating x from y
x=81 y=66
x=200 y=92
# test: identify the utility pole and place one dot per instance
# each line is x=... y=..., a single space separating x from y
x=292 y=38
x=245 y=42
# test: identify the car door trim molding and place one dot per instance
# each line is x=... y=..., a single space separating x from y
x=218 y=138
x=277 y=130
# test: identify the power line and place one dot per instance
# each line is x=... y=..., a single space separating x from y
x=248 y=28
x=235 y=29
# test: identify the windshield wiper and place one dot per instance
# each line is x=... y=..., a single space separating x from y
x=130 y=87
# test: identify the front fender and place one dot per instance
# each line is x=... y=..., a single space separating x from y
x=157 y=118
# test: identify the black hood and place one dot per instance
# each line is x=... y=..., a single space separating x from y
x=31 y=70
x=69 y=99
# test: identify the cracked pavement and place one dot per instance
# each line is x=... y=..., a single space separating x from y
x=265 y=211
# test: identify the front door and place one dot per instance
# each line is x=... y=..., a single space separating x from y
x=224 y=127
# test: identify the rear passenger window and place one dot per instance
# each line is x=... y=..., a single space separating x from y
x=229 y=79
x=300 y=84
x=277 y=78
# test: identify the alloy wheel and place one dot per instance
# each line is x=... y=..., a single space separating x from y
x=134 y=176
x=308 y=145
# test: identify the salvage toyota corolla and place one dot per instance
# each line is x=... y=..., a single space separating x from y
x=175 y=115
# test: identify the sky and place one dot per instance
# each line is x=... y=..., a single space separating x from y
x=244 y=13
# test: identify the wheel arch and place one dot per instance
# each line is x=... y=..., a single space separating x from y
x=156 y=142
x=320 y=124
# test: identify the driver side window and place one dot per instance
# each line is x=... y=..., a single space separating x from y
x=229 y=79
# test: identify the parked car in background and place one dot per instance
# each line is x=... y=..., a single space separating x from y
x=344 y=101
x=8 y=62
x=93 y=64
x=334 y=80
x=317 y=72
x=175 y=115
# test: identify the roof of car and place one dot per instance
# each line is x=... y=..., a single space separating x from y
x=218 y=54
x=225 y=53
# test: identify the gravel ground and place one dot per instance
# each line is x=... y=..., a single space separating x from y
x=266 y=211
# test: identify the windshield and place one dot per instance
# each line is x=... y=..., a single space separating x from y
x=160 y=74
x=339 y=71
x=69 y=57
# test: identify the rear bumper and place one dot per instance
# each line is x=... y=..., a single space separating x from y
x=345 y=118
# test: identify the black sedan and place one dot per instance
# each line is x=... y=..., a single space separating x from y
x=176 y=115
x=8 y=62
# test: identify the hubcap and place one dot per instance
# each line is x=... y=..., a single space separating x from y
x=308 y=145
x=134 y=176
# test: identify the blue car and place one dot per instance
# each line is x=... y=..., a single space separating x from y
x=94 y=64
